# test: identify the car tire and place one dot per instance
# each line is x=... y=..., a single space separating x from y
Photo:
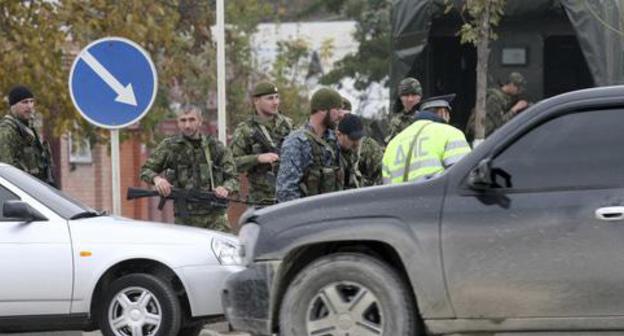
x=348 y=294
x=191 y=330
x=140 y=302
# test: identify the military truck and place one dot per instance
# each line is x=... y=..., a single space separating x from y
x=522 y=235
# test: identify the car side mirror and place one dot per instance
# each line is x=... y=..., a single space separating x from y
x=21 y=211
x=480 y=177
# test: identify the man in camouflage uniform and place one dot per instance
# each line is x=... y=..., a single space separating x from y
x=310 y=160
x=20 y=145
x=256 y=143
x=193 y=161
x=502 y=104
x=410 y=93
x=364 y=159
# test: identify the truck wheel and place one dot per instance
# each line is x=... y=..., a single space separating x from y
x=140 y=305
x=348 y=294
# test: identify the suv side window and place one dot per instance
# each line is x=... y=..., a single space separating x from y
x=5 y=195
x=578 y=150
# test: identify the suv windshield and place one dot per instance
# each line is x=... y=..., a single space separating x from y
x=54 y=199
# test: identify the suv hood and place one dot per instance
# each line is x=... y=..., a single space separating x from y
x=370 y=202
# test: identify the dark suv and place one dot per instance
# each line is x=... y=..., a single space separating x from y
x=524 y=234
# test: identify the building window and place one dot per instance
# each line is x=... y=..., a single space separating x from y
x=79 y=149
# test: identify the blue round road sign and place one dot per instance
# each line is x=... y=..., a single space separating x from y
x=113 y=82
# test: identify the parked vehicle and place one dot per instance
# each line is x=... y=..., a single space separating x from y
x=523 y=235
x=66 y=266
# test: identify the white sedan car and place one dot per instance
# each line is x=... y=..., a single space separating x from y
x=66 y=266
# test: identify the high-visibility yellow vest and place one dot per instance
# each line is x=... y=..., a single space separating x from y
x=422 y=150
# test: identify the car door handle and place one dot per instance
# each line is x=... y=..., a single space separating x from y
x=613 y=213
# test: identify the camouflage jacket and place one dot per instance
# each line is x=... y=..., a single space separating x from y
x=21 y=147
x=363 y=166
x=202 y=164
x=252 y=138
x=399 y=122
x=309 y=165
x=498 y=109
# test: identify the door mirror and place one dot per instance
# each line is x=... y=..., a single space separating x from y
x=480 y=177
x=21 y=211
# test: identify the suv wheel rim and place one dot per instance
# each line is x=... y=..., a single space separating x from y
x=344 y=308
x=134 y=311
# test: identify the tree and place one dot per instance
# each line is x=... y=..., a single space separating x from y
x=480 y=18
x=31 y=53
x=370 y=63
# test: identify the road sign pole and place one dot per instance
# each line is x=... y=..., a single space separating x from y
x=221 y=116
x=115 y=172
x=113 y=84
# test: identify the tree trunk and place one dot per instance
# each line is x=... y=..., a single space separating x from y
x=483 y=55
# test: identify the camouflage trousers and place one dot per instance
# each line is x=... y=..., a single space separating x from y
x=216 y=221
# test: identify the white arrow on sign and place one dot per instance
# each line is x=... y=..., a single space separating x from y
x=125 y=94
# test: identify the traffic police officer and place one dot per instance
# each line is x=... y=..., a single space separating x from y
x=257 y=141
x=20 y=145
x=427 y=147
x=310 y=160
x=193 y=161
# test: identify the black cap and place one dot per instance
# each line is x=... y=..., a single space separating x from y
x=439 y=101
x=351 y=126
x=19 y=93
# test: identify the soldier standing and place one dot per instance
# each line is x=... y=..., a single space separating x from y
x=193 y=161
x=365 y=158
x=349 y=134
x=410 y=93
x=502 y=104
x=20 y=145
x=310 y=160
x=257 y=141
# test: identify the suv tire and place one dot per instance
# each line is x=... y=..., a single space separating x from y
x=348 y=294
x=142 y=302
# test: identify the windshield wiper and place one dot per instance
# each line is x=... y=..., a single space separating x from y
x=88 y=214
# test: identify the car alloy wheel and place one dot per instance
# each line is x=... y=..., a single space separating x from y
x=135 y=311
x=344 y=308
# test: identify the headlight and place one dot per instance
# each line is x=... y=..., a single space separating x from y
x=248 y=236
x=226 y=251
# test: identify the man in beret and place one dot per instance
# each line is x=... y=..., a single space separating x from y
x=363 y=162
x=310 y=160
x=257 y=141
x=20 y=145
x=410 y=93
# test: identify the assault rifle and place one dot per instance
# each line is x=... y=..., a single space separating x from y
x=267 y=147
x=182 y=196
x=265 y=143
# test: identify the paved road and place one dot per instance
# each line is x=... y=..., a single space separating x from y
x=211 y=330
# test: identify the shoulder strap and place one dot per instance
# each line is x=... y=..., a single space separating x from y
x=411 y=150
x=206 y=148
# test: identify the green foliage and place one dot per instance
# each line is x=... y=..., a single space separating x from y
x=471 y=12
x=370 y=63
x=31 y=53
x=292 y=59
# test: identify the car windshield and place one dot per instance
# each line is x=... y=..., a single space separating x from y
x=64 y=205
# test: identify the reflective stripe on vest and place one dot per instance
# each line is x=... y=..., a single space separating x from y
x=435 y=147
